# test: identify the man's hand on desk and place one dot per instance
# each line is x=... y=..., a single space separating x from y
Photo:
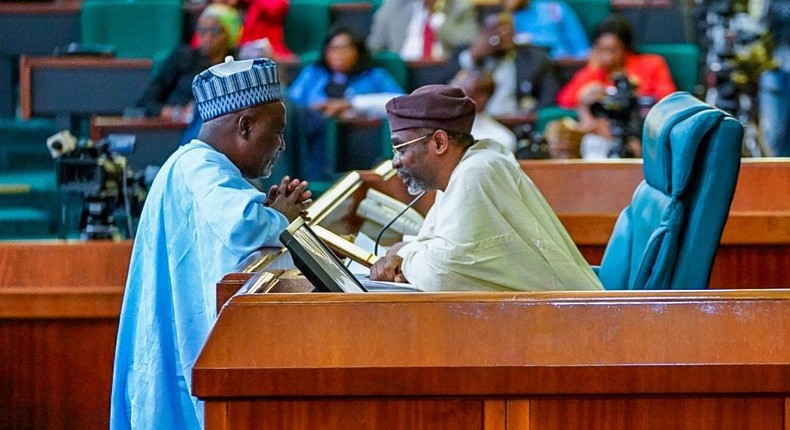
x=291 y=198
x=388 y=268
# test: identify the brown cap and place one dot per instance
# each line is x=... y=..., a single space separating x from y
x=432 y=106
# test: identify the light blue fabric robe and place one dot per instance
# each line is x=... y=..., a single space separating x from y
x=200 y=219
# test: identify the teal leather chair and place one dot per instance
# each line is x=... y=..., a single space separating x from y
x=667 y=237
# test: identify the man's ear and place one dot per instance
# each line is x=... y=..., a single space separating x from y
x=244 y=125
x=441 y=141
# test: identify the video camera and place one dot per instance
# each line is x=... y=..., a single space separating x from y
x=98 y=173
x=624 y=110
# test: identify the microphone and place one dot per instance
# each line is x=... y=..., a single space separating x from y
x=389 y=224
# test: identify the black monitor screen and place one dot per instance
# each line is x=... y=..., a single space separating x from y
x=321 y=267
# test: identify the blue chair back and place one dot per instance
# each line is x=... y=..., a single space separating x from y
x=667 y=237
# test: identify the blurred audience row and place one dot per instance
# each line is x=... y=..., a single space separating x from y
x=505 y=60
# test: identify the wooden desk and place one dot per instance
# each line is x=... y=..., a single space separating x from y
x=701 y=360
x=71 y=86
x=155 y=138
x=38 y=28
x=59 y=307
x=32 y=29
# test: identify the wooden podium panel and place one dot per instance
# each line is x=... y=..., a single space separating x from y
x=686 y=360
x=61 y=263
x=56 y=356
x=59 y=307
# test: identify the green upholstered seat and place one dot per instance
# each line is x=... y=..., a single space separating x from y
x=683 y=60
x=590 y=13
x=137 y=29
x=306 y=25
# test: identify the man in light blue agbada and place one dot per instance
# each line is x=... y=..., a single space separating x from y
x=201 y=218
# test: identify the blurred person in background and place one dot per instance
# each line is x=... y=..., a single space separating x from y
x=551 y=24
x=343 y=83
x=479 y=86
x=169 y=94
x=263 y=31
x=433 y=27
x=613 y=55
x=774 y=85
x=524 y=77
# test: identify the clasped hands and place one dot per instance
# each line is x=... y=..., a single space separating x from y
x=291 y=198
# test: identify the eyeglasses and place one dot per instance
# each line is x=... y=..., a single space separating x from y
x=396 y=148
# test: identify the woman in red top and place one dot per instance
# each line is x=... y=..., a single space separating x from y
x=265 y=19
x=613 y=55
x=263 y=32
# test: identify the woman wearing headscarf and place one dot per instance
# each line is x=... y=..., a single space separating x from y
x=169 y=94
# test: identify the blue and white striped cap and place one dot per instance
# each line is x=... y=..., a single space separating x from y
x=235 y=85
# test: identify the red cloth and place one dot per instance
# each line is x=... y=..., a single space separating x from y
x=650 y=72
x=428 y=39
x=266 y=18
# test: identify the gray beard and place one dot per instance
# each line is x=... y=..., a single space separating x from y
x=415 y=186
x=267 y=171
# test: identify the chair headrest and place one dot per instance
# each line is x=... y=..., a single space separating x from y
x=674 y=129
